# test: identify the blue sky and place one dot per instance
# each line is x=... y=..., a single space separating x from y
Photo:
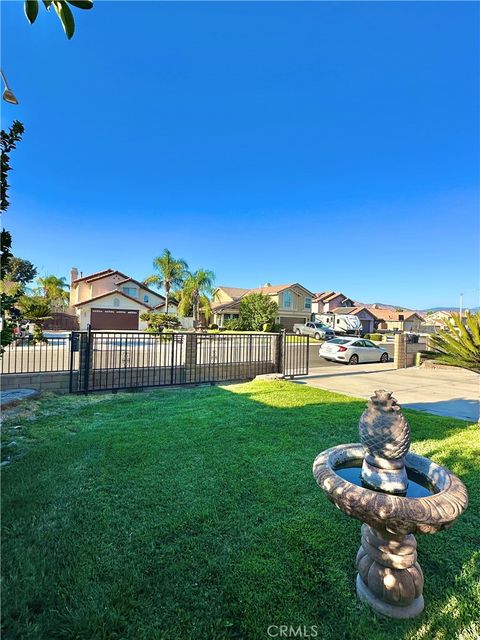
x=333 y=144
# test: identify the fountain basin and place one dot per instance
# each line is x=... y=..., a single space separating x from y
x=395 y=494
x=397 y=515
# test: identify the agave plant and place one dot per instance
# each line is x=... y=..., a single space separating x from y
x=459 y=343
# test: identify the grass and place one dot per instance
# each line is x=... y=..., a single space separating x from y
x=192 y=513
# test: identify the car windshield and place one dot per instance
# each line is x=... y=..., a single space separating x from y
x=338 y=341
x=319 y=325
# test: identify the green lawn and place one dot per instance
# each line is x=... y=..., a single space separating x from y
x=193 y=514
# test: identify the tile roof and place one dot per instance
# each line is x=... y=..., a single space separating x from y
x=326 y=296
x=234 y=292
x=94 y=275
x=319 y=297
x=272 y=288
x=219 y=306
x=350 y=310
x=391 y=316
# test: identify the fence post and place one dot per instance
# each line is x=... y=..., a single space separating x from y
x=191 y=357
x=400 y=351
x=250 y=350
x=87 y=359
x=281 y=340
x=74 y=342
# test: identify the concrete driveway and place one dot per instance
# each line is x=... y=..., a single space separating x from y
x=445 y=392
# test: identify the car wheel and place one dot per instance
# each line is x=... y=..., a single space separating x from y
x=384 y=357
x=317 y=336
x=353 y=359
x=297 y=331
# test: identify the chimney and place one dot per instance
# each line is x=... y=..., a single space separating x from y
x=73 y=274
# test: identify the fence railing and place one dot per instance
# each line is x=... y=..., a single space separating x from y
x=114 y=360
x=122 y=360
x=25 y=356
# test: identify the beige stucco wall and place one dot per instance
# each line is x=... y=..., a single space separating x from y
x=298 y=303
x=98 y=287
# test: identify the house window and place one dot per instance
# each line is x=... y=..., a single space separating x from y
x=145 y=298
x=130 y=291
x=116 y=302
x=308 y=303
x=401 y=317
x=287 y=300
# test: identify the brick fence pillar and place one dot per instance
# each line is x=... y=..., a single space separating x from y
x=400 y=351
x=191 y=357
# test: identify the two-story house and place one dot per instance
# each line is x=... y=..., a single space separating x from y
x=326 y=301
x=110 y=299
x=294 y=303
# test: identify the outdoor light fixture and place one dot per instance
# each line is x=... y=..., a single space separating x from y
x=8 y=94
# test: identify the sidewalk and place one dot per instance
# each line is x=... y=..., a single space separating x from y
x=446 y=392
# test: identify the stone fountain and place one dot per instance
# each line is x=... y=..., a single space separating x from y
x=396 y=494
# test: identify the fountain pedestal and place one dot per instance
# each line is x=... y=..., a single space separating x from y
x=389 y=577
x=386 y=499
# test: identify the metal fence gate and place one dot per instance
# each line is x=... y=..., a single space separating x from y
x=295 y=355
x=116 y=360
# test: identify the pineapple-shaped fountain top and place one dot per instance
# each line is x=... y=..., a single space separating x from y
x=385 y=434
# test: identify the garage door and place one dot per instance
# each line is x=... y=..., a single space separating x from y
x=366 y=326
x=287 y=323
x=114 y=319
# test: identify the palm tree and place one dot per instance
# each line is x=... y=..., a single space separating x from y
x=196 y=289
x=53 y=289
x=459 y=343
x=171 y=274
x=35 y=309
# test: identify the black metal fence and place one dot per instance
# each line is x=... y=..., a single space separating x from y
x=295 y=355
x=115 y=360
x=111 y=361
x=25 y=356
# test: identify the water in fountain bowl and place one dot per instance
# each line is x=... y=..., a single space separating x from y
x=418 y=485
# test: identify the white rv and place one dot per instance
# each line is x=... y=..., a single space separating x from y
x=344 y=324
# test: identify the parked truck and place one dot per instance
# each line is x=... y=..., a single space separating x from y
x=342 y=324
x=316 y=330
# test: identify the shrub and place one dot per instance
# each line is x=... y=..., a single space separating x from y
x=233 y=324
x=213 y=326
x=256 y=310
x=157 y=322
x=38 y=335
x=374 y=336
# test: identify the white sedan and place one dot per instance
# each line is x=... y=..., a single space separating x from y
x=353 y=351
